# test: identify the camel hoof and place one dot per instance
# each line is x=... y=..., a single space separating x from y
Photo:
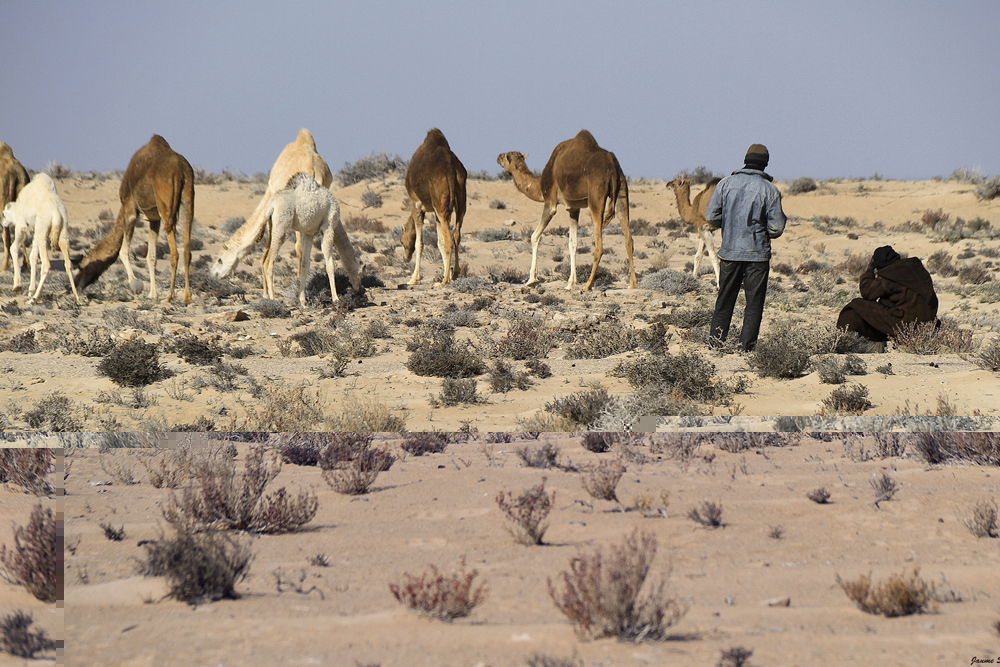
x=531 y=281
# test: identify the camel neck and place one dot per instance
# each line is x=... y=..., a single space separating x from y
x=528 y=183
x=684 y=203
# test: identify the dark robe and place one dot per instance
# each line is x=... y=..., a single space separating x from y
x=901 y=292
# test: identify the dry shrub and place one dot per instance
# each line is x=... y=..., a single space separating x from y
x=988 y=357
x=282 y=407
x=503 y=378
x=17 y=639
x=598 y=441
x=35 y=562
x=941 y=446
x=98 y=343
x=542 y=456
x=982 y=521
x=55 y=412
x=199 y=565
x=899 y=595
x=820 y=495
x=366 y=414
x=602 y=479
x=736 y=656
x=434 y=352
x=688 y=374
x=133 y=363
x=708 y=515
x=431 y=442
x=27 y=468
x=884 y=487
x=527 y=338
x=223 y=498
x=928 y=338
x=583 y=408
x=600 y=594
x=602 y=340
x=989 y=189
x=802 y=185
x=527 y=513
x=785 y=353
x=850 y=399
x=112 y=533
x=442 y=596
x=168 y=470
x=335 y=449
x=196 y=351
x=356 y=476
x=544 y=660
x=458 y=392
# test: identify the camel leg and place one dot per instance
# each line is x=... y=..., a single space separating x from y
x=597 y=214
x=64 y=250
x=271 y=255
x=626 y=225
x=5 y=260
x=154 y=232
x=445 y=244
x=16 y=256
x=123 y=252
x=172 y=242
x=574 y=224
x=39 y=250
x=418 y=249
x=713 y=254
x=186 y=231
x=548 y=210
x=33 y=268
x=456 y=238
x=305 y=241
x=697 y=253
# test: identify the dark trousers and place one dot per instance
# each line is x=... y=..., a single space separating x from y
x=752 y=277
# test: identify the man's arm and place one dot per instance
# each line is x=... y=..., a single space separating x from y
x=872 y=288
x=776 y=219
x=713 y=215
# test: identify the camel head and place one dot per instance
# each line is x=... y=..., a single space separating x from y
x=679 y=183
x=226 y=262
x=510 y=161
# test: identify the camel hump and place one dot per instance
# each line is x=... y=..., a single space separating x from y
x=714 y=181
x=585 y=137
x=5 y=148
x=158 y=141
x=301 y=179
x=305 y=138
x=436 y=137
x=45 y=180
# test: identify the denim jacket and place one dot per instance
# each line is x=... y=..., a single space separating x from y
x=748 y=208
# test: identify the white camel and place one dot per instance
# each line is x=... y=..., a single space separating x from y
x=40 y=214
x=303 y=207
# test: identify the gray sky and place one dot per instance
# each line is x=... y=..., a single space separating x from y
x=908 y=89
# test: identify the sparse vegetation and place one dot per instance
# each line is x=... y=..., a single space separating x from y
x=430 y=442
x=885 y=487
x=928 y=338
x=133 y=363
x=376 y=165
x=17 y=639
x=802 y=185
x=989 y=189
x=439 y=595
x=434 y=352
x=527 y=513
x=899 y=595
x=27 y=468
x=601 y=593
x=458 y=392
x=545 y=455
x=820 y=496
x=35 y=560
x=601 y=480
x=982 y=520
x=708 y=514
x=851 y=399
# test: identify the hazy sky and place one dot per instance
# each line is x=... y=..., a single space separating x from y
x=909 y=89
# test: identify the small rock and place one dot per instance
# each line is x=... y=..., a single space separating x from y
x=779 y=602
x=101 y=483
x=232 y=316
x=729 y=600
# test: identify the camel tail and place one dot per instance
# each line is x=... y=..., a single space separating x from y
x=409 y=237
x=104 y=254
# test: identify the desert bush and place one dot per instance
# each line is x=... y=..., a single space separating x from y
x=506 y=274
x=132 y=363
x=371 y=199
x=442 y=596
x=785 y=353
x=35 y=561
x=989 y=189
x=335 y=449
x=543 y=660
x=471 y=285
x=884 y=487
x=735 y=656
x=899 y=595
x=527 y=338
x=112 y=533
x=928 y=338
x=988 y=356
x=850 y=399
x=503 y=378
x=23 y=343
x=542 y=456
x=602 y=340
x=55 y=412
x=434 y=352
x=598 y=441
x=601 y=480
x=802 y=185
x=497 y=234
x=431 y=442
x=687 y=373
x=527 y=513
x=362 y=223
x=27 y=468
x=222 y=497
x=830 y=370
x=583 y=407
x=272 y=309
x=458 y=392
x=167 y=470
x=971 y=175
x=199 y=565
x=975 y=274
x=376 y=165
x=982 y=520
x=669 y=281
x=942 y=446
x=940 y=263
x=17 y=639
x=538 y=368
x=600 y=594
x=195 y=351
x=820 y=496
x=698 y=176
x=366 y=414
x=709 y=514
x=356 y=476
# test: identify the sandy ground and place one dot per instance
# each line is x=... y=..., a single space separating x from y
x=438 y=508
x=15 y=508
x=878 y=209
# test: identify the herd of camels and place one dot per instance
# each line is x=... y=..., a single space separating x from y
x=158 y=184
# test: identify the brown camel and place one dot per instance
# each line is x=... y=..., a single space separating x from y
x=579 y=174
x=694 y=215
x=435 y=182
x=13 y=177
x=300 y=156
x=159 y=185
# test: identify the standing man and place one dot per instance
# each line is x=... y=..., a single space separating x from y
x=748 y=209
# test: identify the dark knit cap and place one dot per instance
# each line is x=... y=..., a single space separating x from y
x=757 y=156
x=884 y=256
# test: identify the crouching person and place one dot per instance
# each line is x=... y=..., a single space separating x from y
x=893 y=291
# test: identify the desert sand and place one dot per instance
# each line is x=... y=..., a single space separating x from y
x=873 y=212
x=439 y=508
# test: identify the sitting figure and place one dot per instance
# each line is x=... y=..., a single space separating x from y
x=893 y=291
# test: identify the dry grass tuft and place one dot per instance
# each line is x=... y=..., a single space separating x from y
x=600 y=594
x=708 y=515
x=602 y=479
x=820 y=496
x=982 y=521
x=442 y=596
x=928 y=338
x=27 y=468
x=527 y=513
x=899 y=595
x=35 y=561
x=17 y=639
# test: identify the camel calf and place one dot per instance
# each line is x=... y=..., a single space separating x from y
x=38 y=212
